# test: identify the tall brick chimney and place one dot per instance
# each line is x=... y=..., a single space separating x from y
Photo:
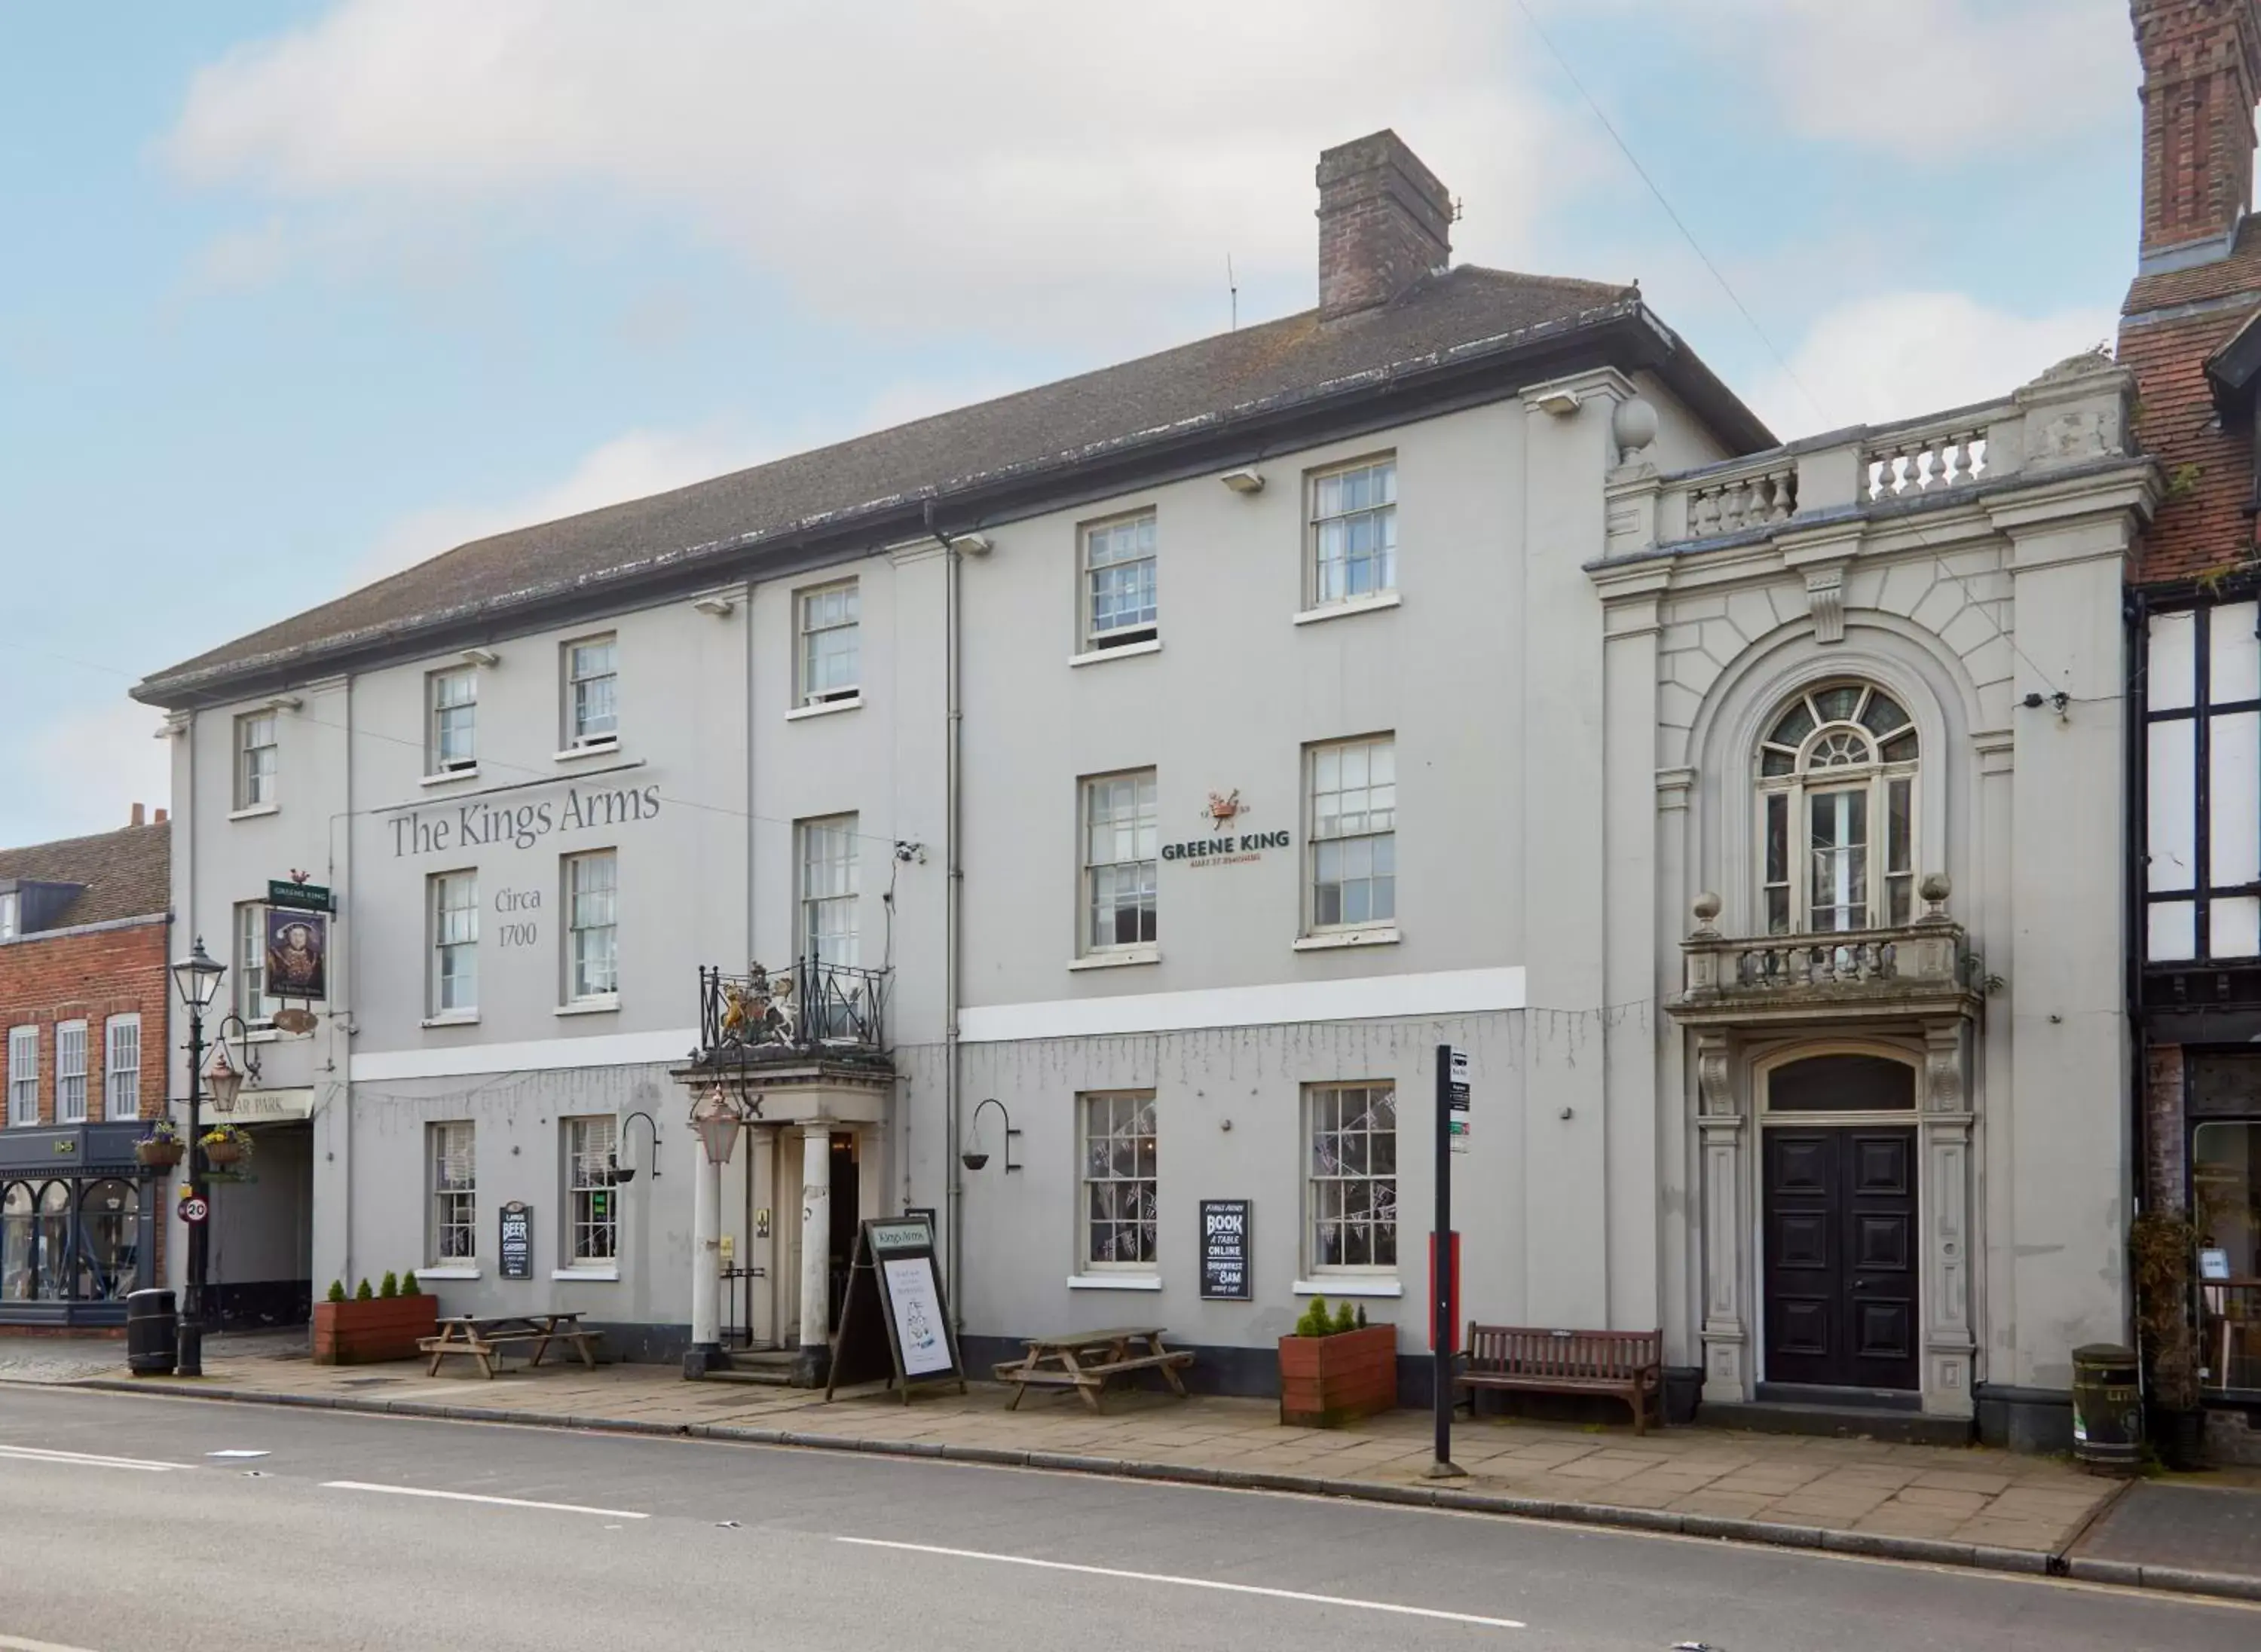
x=2202 y=71
x=1384 y=222
x=135 y=819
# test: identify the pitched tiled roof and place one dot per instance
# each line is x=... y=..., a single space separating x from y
x=126 y=873
x=1441 y=321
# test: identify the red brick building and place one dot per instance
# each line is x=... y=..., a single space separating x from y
x=2190 y=330
x=84 y=929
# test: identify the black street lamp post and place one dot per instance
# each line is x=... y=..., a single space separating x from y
x=197 y=977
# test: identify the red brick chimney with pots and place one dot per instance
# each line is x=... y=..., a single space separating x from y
x=1384 y=222
x=2199 y=281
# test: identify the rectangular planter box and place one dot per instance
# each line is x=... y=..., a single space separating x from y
x=365 y=1332
x=1325 y=1381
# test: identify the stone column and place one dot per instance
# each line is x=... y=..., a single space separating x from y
x=815 y=1253
x=1722 y=1149
x=1949 y=1344
x=705 y=1351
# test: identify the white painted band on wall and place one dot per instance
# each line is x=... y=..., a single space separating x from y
x=612 y=1049
x=1461 y=992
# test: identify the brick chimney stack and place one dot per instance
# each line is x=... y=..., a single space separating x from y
x=2201 y=72
x=136 y=819
x=1384 y=222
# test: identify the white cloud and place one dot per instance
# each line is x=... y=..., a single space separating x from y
x=1902 y=354
x=1936 y=81
x=94 y=765
x=1002 y=163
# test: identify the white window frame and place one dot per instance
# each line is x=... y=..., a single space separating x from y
x=587 y=989
x=250 y=966
x=1099 y=795
x=258 y=758
x=1835 y=762
x=1112 y=1119
x=810 y=642
x=11 y=914
x=23 y=1074
x=1323 y=514
x=451 y=708
x=582 y=723
x=455 y=929
x=587 y=1146
x=70 y=1072
x=1137 y=532
x=121 y=1058
x=828 y=882
x=451 y=1181
x=1321 y=1208
x=1367 y=856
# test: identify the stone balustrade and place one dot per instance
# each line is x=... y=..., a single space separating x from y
x=2074 y=414
x=1736 y=975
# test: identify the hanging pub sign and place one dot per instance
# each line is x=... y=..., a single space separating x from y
x=297 y=953
x=517 y=1240
x=895 y=1322
x=1224 y=1249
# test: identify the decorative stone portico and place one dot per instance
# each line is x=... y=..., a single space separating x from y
x=1915 y=993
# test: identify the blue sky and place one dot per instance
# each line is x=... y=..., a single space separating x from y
x=293 y=294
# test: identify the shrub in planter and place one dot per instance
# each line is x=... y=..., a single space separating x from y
x=390 y=1288
x=365 y=1327
x=408 y=1285
x=1334 y=1369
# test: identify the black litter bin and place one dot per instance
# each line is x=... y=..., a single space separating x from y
x=2107 y=1408
x=153 y=1333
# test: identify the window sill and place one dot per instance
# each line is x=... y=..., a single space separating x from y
x=594 y=1275
x=1114 y=1281
x=454 y=1019
x=1122 y=960
x=254 y=811
x=423 y=1274
x=1344 y=610
x=825 y=707
x=257 y=1034
x=1122 y=650
x=1379 y=935
x=589 y=1007
x=447 y=775
x=1340 y=1285
x=607 y=747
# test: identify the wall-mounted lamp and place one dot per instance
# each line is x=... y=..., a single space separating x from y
x=1561 y=404
x=971 y=544
x=621 y=1177
x=1243 y=481
x=719 y=607
x=484 y=656
x=973 y=1157
x=2035 y=701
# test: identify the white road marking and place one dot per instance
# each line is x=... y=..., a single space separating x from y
x=34 y=1453
x=474 y=1497
x=1194 y=1582
x=17 y=1643
x=235 y=1454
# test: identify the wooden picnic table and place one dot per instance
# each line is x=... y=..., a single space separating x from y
x=477 y=1336
x=1084 y=1360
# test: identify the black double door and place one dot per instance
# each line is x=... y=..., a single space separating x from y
x=1841 y=1257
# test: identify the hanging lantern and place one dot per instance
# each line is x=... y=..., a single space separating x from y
x=224 y=1080
x=718 y=1124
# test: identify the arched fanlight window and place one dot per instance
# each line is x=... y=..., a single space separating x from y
x=1837 y=775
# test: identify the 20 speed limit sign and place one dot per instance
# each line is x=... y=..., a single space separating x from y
x=194 y=1209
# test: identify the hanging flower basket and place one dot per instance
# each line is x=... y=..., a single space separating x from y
x=225 y=1145
x=162 y=1147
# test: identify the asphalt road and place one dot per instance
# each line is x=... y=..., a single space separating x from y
x=122 y=1530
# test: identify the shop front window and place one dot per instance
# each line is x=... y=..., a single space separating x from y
x=109 y=1242
x=2226 y=1204
x=19 y=1244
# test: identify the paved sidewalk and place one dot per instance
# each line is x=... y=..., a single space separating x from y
x=1700 y=1479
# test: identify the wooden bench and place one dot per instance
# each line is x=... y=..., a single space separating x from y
x=1629 y=1364
x=481 y=1338
x=1084 y=1360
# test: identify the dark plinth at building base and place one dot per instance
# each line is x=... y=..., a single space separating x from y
x=812 y=1365
x=2037 y=1420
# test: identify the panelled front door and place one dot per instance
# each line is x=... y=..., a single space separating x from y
x=1841 y=1257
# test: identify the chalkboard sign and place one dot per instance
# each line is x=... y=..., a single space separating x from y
x=1224 y=1249
x=895 y=1322
x=518 y=1240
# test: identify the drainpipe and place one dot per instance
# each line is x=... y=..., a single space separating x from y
x=954 y=1203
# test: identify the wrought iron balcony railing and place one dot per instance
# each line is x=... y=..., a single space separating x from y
x=812 y=1009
